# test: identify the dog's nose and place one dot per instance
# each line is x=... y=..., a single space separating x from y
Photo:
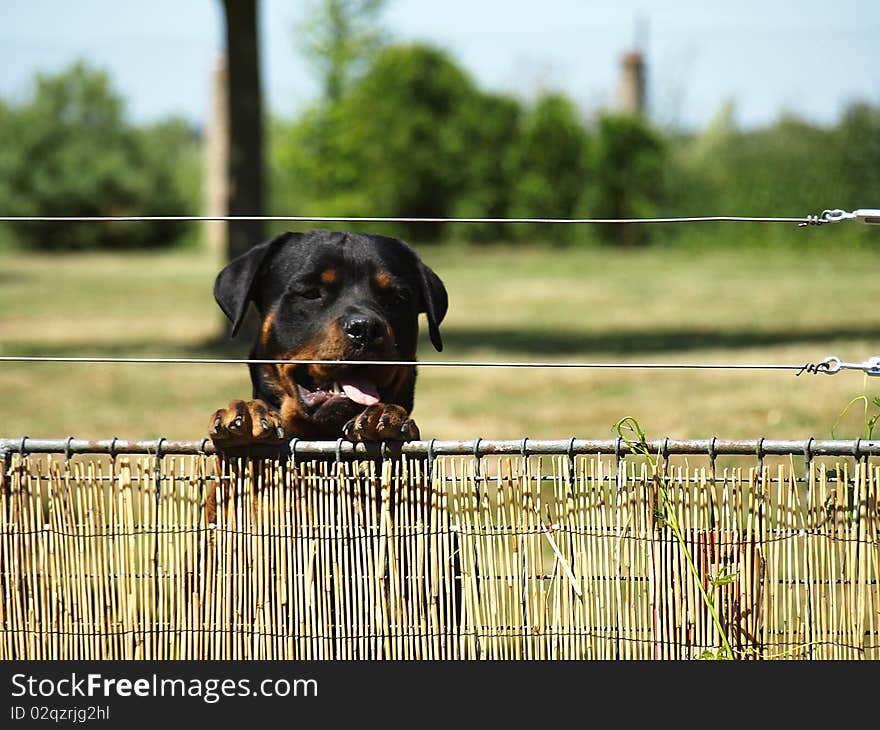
x=364 y=331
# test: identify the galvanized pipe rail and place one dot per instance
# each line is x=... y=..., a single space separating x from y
x=760 y=447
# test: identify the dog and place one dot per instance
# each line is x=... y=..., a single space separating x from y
x=328 y=295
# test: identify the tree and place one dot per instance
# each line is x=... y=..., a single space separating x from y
x=491 y=130
x=550 y=164
x=856 y=141
x=627 y=161
x=245 y=123
x=75 y=154
x=396 y=144
x=340 y=38
x=407 y=129
x=789 y=168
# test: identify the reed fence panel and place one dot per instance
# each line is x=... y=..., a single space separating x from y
x=551 y=557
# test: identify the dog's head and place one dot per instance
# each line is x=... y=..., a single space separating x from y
x=327 y=295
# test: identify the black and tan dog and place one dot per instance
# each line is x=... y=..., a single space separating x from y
x=328 y=295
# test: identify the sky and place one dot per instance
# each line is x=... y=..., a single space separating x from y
x=769 y=57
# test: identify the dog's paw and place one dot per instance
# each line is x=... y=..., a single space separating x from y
x=243 y=423
x=382 y=422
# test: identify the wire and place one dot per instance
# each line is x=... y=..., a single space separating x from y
x=829 y=215
x=800 y=367
x=810 y=220
x=831 y=365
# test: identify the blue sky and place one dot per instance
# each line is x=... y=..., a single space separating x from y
x=771 y=57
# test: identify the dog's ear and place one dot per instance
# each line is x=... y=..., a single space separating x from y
x=234 y=285
x=436 y=302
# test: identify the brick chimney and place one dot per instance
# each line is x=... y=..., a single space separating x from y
x=631 y=89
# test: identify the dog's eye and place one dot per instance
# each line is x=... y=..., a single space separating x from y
x=311 y=294
x=397 y=295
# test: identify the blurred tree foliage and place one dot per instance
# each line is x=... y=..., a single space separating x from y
x=790 y=168
x=396 y=143
x=414 y=137
x=71 y=152
x=628 y=160
x=409 y=134
x=339 y=38
x=550 y=171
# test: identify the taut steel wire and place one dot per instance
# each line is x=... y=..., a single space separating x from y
x=862 y=215
x=831 y=365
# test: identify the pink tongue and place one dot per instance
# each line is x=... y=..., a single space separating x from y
x=361 y=391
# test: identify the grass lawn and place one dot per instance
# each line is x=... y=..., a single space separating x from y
x=539 y=304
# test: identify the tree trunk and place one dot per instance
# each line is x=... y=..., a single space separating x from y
x=245 y=188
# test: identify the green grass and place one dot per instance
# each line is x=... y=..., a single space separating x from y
x=506 y=303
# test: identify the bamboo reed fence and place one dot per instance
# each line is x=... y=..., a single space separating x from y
x=457 y=557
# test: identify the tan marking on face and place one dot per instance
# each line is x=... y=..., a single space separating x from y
x=266 y=327
x=330 y=345
x=329 y=277
x=383 y=279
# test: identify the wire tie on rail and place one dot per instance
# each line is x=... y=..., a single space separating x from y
x=159 y=443
x=112 y=449
x=158 y=473
x=523 y=448
x=67 y=449
x=664 y=451
x=808 y=451
x=477 y=457
x=571 y=463
x=292 y=447
x=430 y=456
x=808 y=460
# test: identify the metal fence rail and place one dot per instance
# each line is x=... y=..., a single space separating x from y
x=810 y=447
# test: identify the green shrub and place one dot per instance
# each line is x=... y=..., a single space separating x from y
x=628 y=163
x=550 y=169
x=72 y=153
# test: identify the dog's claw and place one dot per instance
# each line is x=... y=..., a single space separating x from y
x=245 y=422
x=381 y=422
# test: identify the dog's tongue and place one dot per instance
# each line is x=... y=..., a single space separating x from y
x=360 y=391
